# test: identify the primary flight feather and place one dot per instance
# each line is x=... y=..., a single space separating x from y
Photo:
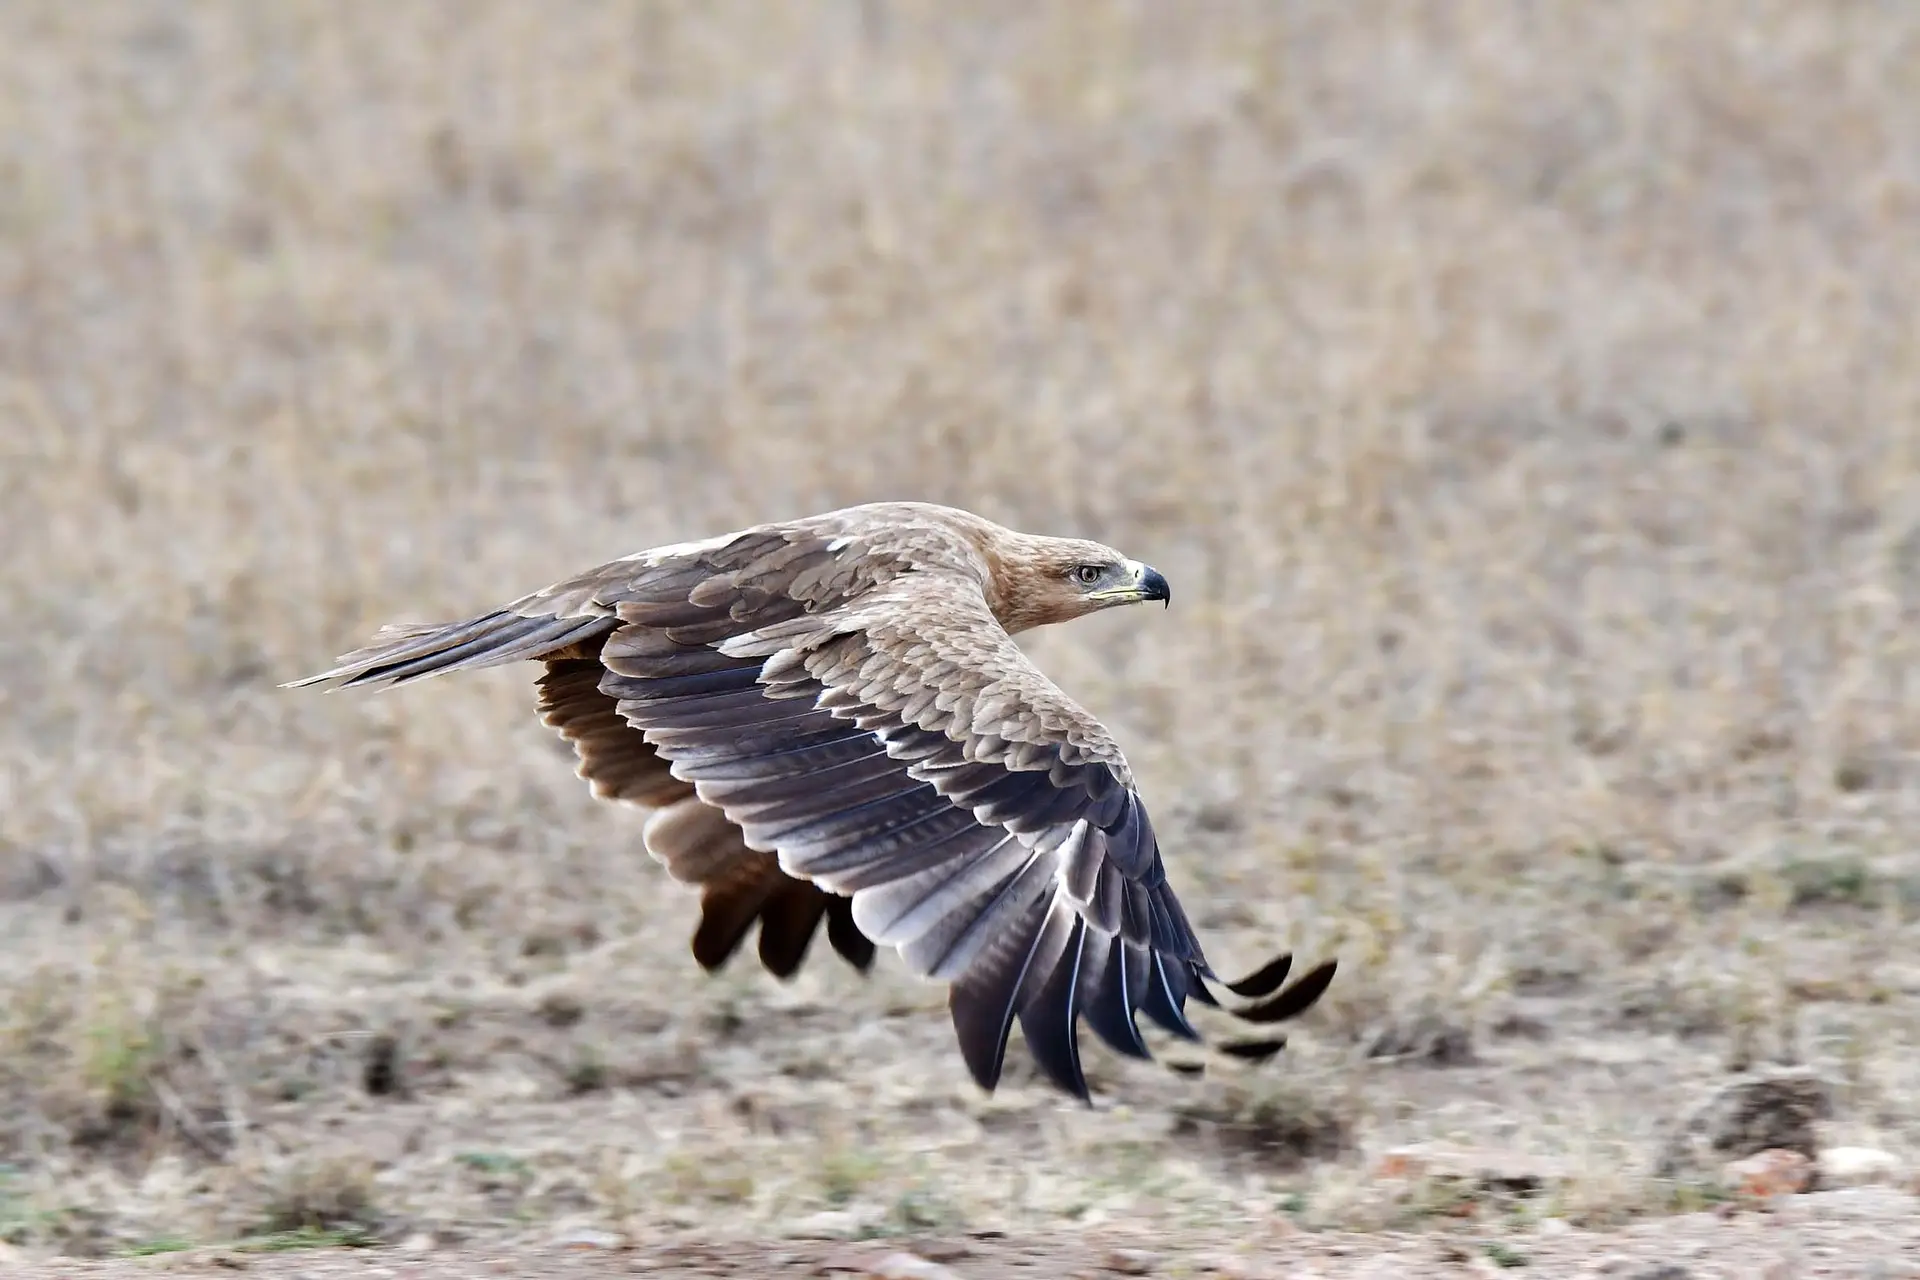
x=829 y=720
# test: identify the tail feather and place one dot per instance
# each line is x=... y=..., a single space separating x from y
x=407 y=652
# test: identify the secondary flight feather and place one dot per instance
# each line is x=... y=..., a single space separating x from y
x=829 y=721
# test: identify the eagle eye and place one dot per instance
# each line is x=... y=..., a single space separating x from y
x=1086 y=574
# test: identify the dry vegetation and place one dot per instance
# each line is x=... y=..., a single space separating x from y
x=1524 y=401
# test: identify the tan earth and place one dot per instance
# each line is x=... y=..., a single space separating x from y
x=1522 y=399
x=1866 y=1232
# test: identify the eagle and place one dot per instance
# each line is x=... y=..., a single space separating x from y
x=828 y=720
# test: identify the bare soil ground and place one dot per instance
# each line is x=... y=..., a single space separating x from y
x=1523 y=400
x=1861 y=1232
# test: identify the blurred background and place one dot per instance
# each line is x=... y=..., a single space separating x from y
x=1523 y=400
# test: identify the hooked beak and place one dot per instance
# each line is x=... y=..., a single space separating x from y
x=1153 y=586
x=1148 y=584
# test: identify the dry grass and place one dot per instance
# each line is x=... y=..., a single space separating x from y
x=1523 y=400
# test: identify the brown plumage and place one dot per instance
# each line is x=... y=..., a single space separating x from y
x=830 y=721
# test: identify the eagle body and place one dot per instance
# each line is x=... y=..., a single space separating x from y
x=829 y=722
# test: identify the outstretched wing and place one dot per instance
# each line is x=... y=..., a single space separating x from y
x=846 y=699
x=902 y=751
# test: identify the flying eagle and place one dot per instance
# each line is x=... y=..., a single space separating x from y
x=829 y=720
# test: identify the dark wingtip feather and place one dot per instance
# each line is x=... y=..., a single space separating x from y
x=1265 y=980
x=1047 y=1019
x=1163 y=1004
x=787 y=925
x=1294 y=1001
x=1253 y=1050
x=855 y=947
x=982 y=1000
x=1110 y=1011
x=711 y=951
x=982 y=1024
x=725 y=917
